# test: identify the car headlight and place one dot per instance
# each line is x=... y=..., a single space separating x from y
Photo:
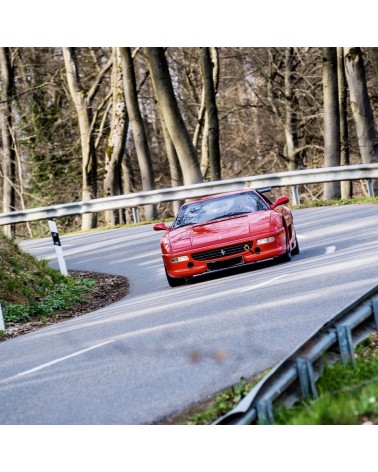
x=271 y=239
x=180 y=259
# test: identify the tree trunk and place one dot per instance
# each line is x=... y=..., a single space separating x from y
x=346 y=186
x=170 y=112
x=205 y=158
x=212 y=114
x=291 y=105
x=200 y=121
x=360 y=103
x=9 y=155
x=117 y=138
x=138 y=129
x=331 y=120
x=174 y=165
x=374 y=52
x=127 y=181
x=84 y=113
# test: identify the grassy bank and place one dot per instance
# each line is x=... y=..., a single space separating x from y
x=347 y=395
x=30 y=289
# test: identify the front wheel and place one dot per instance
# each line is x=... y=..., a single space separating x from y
x=286 y=256
x=173 y=281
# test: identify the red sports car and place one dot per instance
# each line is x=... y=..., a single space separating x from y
x=226 y=230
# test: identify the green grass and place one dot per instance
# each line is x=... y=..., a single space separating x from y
x=61 y=296
x=208 y=411
x=341 y=201
x=347 y=395
x=30 y=289
x=221 y=404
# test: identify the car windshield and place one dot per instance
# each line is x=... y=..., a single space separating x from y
x=215 y=208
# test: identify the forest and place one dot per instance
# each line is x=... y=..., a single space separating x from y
x=79 y=123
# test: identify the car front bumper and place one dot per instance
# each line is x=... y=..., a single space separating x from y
x=255 y=253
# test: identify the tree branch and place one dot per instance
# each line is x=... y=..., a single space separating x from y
x=15 y=97
x=94 y=89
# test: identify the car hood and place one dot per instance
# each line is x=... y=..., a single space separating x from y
x=219 y=231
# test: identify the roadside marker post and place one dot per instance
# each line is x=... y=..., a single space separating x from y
x=2 y=324
x=58 y=247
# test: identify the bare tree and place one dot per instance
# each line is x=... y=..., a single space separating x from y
x=291 y=116
x=9 y=155
x=117 y=139
x=346 y=186
x=212 y=128
x=170 y=112
x=360 y=104
x=174 y=165
x=83 y=102
x=331 y=120
x=138 y=129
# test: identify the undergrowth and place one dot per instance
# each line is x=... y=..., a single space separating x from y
x=347 y=395
x=62 y=296
x=208 y=411
x=29 y=288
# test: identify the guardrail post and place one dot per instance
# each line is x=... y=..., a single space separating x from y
x=306 y=378
x=374 y=306
x=346 y=347
x=135 y=215
x=2 y=324
x=264 y=411
x=370 y=188
x=295 y=193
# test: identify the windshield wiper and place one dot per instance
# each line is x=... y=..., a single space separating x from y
x=236 y=213
x=226 y=215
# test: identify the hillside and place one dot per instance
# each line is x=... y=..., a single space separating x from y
x=33 y=295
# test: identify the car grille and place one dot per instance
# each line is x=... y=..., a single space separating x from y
x=217 y=265
x=222 y=251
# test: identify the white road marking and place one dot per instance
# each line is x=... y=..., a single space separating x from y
x=301 y=236
x=253 y=287
x=56 y=361
x=330 y=249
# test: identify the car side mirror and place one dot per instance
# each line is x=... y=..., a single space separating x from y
x=279 y=201
x=161 y=227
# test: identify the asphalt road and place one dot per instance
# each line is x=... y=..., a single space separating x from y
x=160 y=348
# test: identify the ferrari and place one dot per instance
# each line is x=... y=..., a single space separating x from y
x=226 y=230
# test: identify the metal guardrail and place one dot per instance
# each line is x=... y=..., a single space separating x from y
x=281 y=179
x=295 y=377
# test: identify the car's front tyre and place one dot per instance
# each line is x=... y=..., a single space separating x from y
x=174 y=281
x=286 y=256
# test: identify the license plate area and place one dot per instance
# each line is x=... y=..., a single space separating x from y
x=217 y=265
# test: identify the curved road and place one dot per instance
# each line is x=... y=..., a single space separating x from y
x=160 y=349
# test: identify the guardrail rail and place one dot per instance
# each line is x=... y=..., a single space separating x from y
x=295 y=377
x=367 y=172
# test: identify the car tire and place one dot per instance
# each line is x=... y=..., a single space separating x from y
x=286 y=256
x=174 y=281
x=296 y=250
